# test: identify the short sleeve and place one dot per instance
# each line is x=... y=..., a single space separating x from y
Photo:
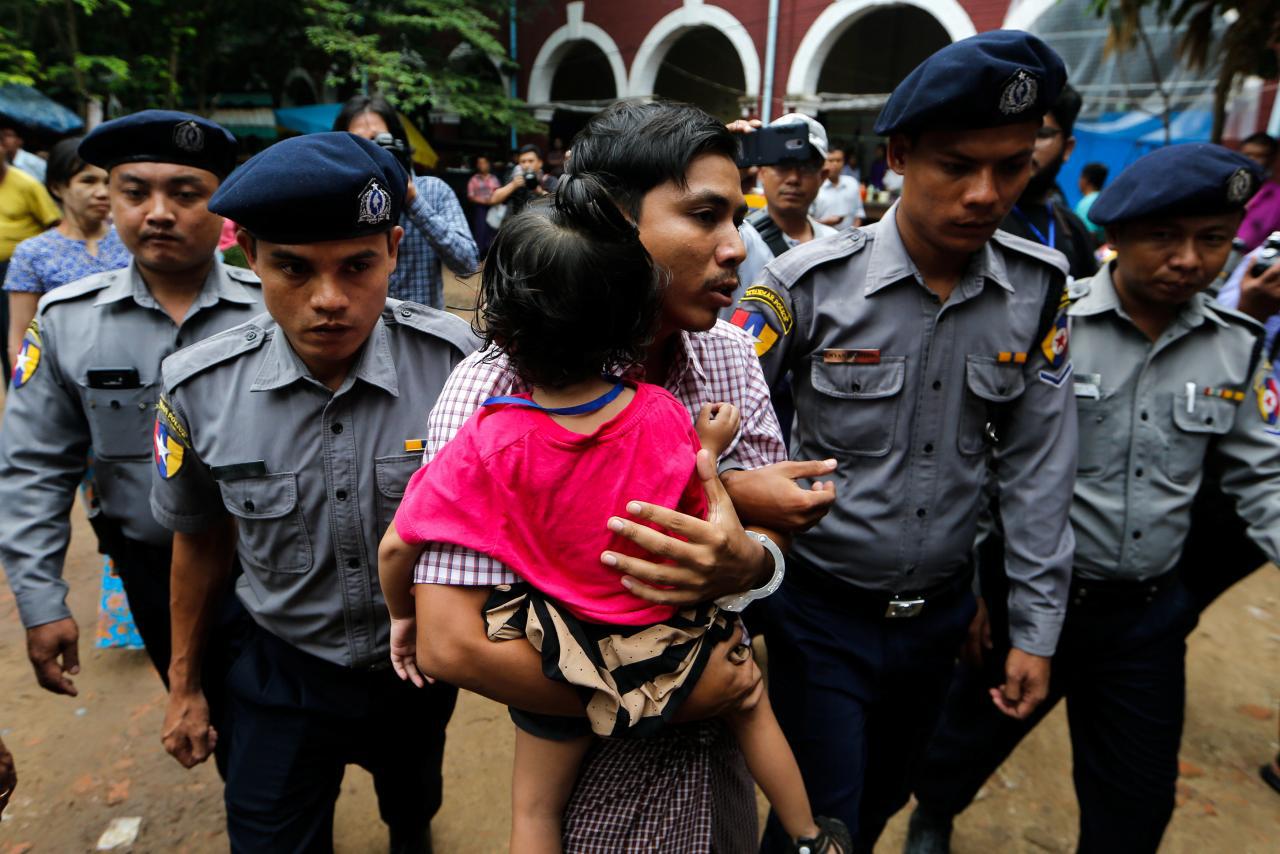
x=43 y=208
x=22 y=277
x=184 y=496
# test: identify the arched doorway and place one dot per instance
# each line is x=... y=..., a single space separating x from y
x=702 y=67
x=581 y=85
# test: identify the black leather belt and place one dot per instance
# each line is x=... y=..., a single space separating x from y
x=877 y=604
x=1110 y=594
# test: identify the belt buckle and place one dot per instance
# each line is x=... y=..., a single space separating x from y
x=903 y=608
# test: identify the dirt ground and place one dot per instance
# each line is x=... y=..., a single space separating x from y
x=85 y=761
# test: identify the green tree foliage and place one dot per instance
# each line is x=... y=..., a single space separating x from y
x=404 y=47
x=1250 y=45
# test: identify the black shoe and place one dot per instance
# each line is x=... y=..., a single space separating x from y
x=411 y=842
x=928 y=833
x=1268 y=774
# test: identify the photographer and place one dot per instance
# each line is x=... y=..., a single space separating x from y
x=435 y=228
x=527 y=182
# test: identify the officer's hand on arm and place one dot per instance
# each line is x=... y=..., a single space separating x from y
x=770 y=497
x=410 y=192
x=201 y=568
x=730 y=682
x=1026 y=684
x=716 y=557
x=1260 y=295
x=978 y=642
x=47 y=644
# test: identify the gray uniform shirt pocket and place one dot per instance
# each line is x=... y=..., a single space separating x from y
x=392 y=475
x=121 y=421
x=1189 y=439
x=859 y=414
x=273 y=532
x=988 y=381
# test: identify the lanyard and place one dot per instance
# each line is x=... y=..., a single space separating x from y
x=581 y=409
x=1037 y=232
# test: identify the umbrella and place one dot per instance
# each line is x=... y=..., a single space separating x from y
x=317 y=118
x=28 y=107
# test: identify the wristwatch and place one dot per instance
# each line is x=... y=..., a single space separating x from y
x=738 y=601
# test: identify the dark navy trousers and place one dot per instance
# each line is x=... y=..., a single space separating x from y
x=1121 y=670
x=857 y=696
x=298 y=721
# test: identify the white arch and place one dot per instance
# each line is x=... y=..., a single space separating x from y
x=558 y=45
x=1023 y=13
x=815 y=47
x=694 y=13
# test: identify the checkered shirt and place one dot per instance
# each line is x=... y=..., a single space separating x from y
x=715 y=366
x=435 y=230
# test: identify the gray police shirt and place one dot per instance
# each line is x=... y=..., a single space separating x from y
x=88 y=374
x=899 y=387
x=1151 y=415
x=312 y=476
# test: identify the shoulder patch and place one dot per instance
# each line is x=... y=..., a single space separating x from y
x=1043 y=254
x=81 y=287
x=789 y=268
x=170 y=440
x=214 y=350
x=24 y=366
x=441 y=324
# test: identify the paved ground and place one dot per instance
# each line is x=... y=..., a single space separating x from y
x=85 y=761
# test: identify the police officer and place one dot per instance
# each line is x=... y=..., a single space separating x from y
x=88 y=374
x=288 y=440
x=906 y=340
x=1168 y=384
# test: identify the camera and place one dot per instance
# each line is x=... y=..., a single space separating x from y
x=398 y=147
x=1267 y=258
x=531 y=180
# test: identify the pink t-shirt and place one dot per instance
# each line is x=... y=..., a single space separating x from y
x=520 y=488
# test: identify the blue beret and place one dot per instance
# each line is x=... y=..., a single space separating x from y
x=995 y=78
x=1190 y=179
x=308 y=189
x=161 y=136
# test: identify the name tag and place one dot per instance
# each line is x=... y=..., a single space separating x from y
x=851 y=357
x=239 y=471
x=1088 y=385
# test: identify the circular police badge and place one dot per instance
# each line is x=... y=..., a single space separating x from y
x=1239 y=185
x=1019 y=92
x=375 y=204
x=188 y=136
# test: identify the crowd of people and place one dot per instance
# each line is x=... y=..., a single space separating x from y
x=952 y=467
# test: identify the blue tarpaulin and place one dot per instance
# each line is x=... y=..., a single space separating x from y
x=316 y=118
x=26 y=106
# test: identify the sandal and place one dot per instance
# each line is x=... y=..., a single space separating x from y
x=833 y=838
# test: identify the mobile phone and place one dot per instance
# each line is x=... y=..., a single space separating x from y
x=774 y=144
x=114 y=378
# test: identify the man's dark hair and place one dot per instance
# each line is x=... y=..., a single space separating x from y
x=530 y=148
x=1095 y=174
x=1066 y=109
x=358 y=105
x=633 y=146
x=63 y=165
x=568 y=290
x=1262 y=138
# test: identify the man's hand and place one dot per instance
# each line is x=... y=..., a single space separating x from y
x=771 y=498
x=8 y=776
x=744 y=125
x=1260 y=295
x=404 y=651
x=978 y=643
x=1026 y=684
x=410 y=192
x=187 y=733
x=730 y=682
x=46 y=645
x=716 y=557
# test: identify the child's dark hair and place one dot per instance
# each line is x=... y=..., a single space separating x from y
x=568 y=290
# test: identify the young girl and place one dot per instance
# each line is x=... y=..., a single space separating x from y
x=569 y=295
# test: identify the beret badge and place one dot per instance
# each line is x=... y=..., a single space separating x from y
x=1019 y=92
x=375 y=204
x=188 y=136
x=1239 y=186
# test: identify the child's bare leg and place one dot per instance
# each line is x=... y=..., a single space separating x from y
x=772 y=764
x=542 y=780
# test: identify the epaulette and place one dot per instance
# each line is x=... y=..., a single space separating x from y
x=1078 y=289
x=81 y=287
x=791 y=266
x=214 y=350
x=1040 y=252
x=243 y=275
x=441 y=324
x=1232 y=315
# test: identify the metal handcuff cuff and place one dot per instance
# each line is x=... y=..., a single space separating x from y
x=738 y=601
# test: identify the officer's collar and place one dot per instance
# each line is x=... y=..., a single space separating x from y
x=890 y=263
x=217 y=286
x=1100 y=296
x=281 y=366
